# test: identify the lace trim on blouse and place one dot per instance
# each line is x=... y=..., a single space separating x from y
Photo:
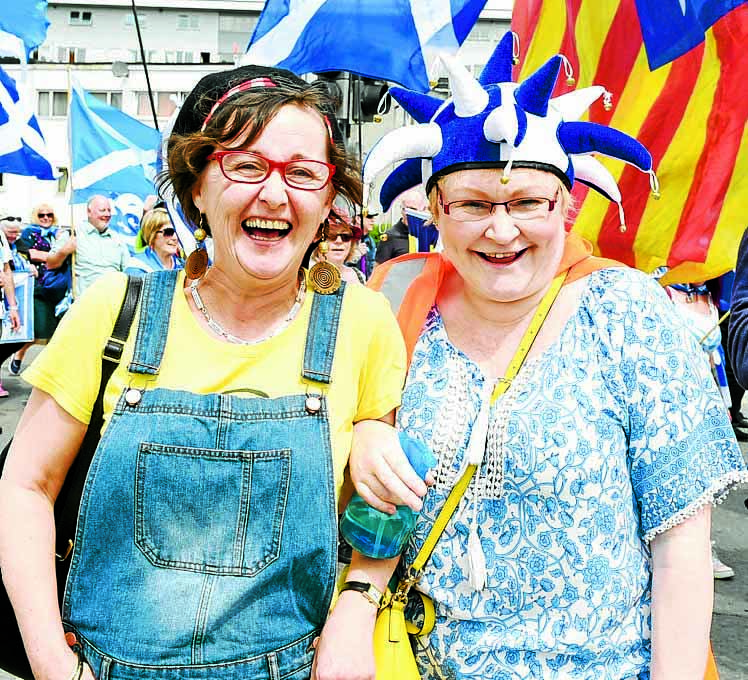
x=714 y=495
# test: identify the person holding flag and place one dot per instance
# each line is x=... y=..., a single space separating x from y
x=573 y=415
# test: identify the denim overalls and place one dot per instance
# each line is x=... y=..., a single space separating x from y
x=206 y=540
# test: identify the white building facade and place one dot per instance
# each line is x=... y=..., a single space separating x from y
x=96 y=44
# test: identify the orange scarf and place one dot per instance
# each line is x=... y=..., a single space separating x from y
x=577 y=259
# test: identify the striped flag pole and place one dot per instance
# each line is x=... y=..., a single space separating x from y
x=691 y=114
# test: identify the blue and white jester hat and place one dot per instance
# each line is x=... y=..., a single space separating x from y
x=493 y=122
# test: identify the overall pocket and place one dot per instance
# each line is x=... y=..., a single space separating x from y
x=210 y=511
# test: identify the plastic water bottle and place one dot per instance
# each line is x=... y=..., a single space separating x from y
x=374 y=533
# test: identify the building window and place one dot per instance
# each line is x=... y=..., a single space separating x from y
x=236 y=23
x=188 y=22
x=109 y=98
x=52 y=104
x=165 y=103
x=486 y=31
x=142 y=21
x=179 y=57
x=71 y=55
x=59 y=104
x=79 y=18
x=42 y=105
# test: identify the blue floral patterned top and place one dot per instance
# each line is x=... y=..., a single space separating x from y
x=611 y=436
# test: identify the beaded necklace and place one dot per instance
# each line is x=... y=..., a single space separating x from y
x=230 y=337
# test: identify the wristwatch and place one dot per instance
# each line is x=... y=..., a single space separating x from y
x=368 y=590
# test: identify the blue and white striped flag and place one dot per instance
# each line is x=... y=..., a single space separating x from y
x=23 y=27
x=22 y=147
x=112 y=153
x=394 y=40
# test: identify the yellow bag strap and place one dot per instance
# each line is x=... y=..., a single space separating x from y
x=453 y=500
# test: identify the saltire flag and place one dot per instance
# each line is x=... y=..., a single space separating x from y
x=672 y=27
x=691 y=114
x=23 y=27
x=23 y=150
x=394 y=40
x=112 y=154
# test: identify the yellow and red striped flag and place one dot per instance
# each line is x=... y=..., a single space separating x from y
x=691 y=114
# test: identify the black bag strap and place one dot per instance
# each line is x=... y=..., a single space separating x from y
x=69 y=498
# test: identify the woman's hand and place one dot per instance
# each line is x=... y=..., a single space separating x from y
x=380 y=471
x=345 y=650
x=15 y=319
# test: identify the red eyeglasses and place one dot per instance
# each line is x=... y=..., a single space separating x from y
x=248 y=167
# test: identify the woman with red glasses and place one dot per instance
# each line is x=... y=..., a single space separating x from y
x=162 y=245
x=207 y=532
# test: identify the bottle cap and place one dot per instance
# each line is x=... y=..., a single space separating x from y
x=419 y=455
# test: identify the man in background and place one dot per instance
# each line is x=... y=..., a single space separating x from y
x=394 y=241
x=98 y=249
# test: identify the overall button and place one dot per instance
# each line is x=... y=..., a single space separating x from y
x=313 y=403
x=133 y=396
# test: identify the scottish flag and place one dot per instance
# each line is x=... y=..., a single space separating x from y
x=671 y=28
x=395 y=40
x=112 y=153
x=23 y=26
x=22 y=147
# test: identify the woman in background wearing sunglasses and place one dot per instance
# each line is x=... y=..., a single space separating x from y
x=162 y=249
x=339 y=247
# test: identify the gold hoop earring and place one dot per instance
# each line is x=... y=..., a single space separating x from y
x=324 y=278
x=197 y=261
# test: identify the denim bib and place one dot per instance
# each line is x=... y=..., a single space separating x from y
x=206 y=540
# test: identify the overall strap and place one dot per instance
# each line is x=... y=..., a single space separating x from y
x=321 y=336
x=153 y=325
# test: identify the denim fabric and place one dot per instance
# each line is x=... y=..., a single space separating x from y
x=157 y=294
x=207 y=532
x=320 y=348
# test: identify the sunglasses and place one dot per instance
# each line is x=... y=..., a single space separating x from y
x=168 y=231
x=12 y=219
x=345 y=237
x=45 y=215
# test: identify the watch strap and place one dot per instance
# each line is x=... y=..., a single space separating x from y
x=368 y=590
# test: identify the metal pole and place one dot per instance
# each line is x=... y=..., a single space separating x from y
x=145 y=65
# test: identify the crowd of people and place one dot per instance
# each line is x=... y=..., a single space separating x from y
x=574 y=404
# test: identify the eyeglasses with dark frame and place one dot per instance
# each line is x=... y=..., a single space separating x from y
x=248 y=167
x=523 y=208
x=345 y=237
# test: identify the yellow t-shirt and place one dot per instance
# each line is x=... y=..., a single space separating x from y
x=367 y=375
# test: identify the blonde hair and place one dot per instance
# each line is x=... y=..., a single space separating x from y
x=46 y=207
x=151 y=223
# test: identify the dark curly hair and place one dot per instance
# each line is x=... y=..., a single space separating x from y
x=243 y=117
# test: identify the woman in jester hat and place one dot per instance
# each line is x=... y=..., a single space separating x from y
x=580 y=548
